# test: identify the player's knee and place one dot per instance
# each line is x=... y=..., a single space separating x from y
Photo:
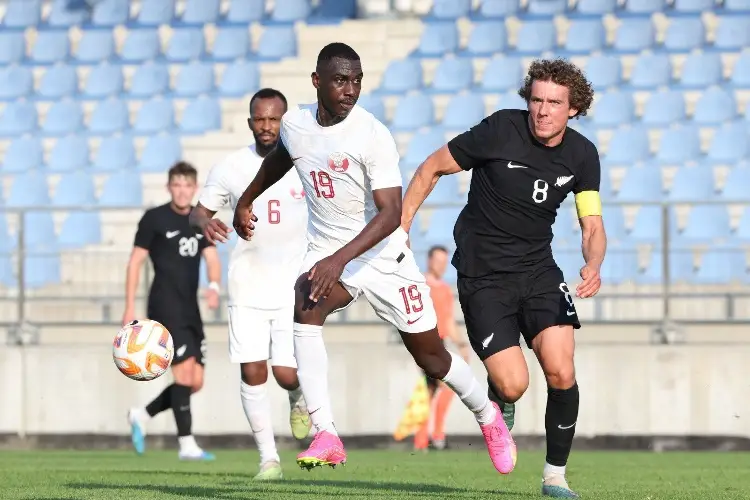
x=510 y=385
x=286 y=377
x=434 y=364
x=255 y=373
x=561 y=377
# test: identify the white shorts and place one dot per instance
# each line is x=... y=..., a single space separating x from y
x=401 y=298
x=260 y=335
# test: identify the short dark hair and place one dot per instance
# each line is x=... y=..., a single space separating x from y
x=267 y=93
x=182 y=168
x=337 y=49
x=436 y=248
x=565 y=73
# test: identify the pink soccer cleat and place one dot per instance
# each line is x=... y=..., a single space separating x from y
x=326 y=449
x=500 y=444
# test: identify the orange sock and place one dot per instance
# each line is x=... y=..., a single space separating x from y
x=444 y=397
x=422 y=437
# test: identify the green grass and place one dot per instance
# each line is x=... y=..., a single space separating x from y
x=370 y=475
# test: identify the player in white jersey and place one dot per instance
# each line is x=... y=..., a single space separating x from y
x=348 y=163
x=261 y=276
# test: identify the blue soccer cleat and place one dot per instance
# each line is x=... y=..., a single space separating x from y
x=137 y=435
x=200 y=456
x=557 y=487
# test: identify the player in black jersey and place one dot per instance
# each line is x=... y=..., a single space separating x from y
x=175 y=248
x=524 y=163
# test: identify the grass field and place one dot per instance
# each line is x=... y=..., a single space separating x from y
x=47 y=475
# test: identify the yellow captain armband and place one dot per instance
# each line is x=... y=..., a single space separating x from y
x=588 y=203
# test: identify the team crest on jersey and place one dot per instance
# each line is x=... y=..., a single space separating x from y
x=297 y=195
x=338 y=162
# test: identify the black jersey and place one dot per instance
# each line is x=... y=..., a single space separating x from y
x=517 y=185
x=175 y=249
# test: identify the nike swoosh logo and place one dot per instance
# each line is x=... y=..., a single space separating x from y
x=570 y=313
x=172 y=234
x=512 y=165
x=568 y=427
x=295 y=159
x=411 y=322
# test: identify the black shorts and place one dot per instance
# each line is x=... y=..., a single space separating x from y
x=499 y=308
x=188 y=338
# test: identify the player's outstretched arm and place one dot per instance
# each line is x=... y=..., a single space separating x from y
x=214 y=230
x=594 y=246
x=132 y=277
x=436 y=165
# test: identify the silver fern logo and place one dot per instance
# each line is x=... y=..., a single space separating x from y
x=562 y=180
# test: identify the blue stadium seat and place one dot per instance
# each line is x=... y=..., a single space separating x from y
x=186 y=44
x=19 y=117
x=647 y=224
x=634 y=35
x=21 y=14
x=733 y=33
x=109 y=117
x=742 y=233
x=545 y=8
x=412 y=112
x=693 y=183
x=50 y=47
x=678 y=145
x=693 y=7
x=39 y=228
x=104 y=81
x=452 y=75
x=115 y=152
x=737 y=6
x=69 y=153
x=620 y=266
x=160 y=153
x=155 y=12
x=231 y=43
x=730 y=144
x=535 y=37
x=24 y=153
x=585 y=36
x=714 y=106
x=681 y=266
x=735 y=185
x=445 y=191
x=449 y=10
x=684 y=35
x=95 y=46
x=15 y=82
x=614 y=109
x=651 y=71
x=740 y=78
x=149 y=80
x=502 y=74
x=74 y=189
x=110 y=13
x=511 y=100
x=644 y=7
x=594 y=8
x=239 y=78
x=614 y=221
x=245 y=13
x=200 y=12
x=705 y=224
x=486 y=39
x=58 y=82
x=65 y=14
x=200 y=116
x=194 y=79
x=422 y=145
x=122 y=189
x=498 y=9
x=12 y=47
x=663 y=108
x=604 y=71
x=29 y=189
x=437 y=40
x=154 y=116
x=701 y=70
x=276 y=43
x=64 y=117
x=641 y=183
x=140 y=45
x=42 y=264
x=401 y=76
x=721 y=266
x=333 y=11
x=373 y=104
x=583 y=127
x=290 y=11
x=80 y=229
x=463 y=112
x=627 y=146
x=652 y=273
x=440 y=230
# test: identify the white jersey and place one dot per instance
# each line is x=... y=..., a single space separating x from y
x=340 y=166
x=262 y=271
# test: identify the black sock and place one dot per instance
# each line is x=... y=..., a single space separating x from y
x=494 y=395
x=181 y=409
x=560 y=423
x=160 y=403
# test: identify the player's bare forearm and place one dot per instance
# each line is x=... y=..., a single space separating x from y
x=133 y=275
x=274 y=167
x=213 y=264
x=200 y=216
x=439 y=163
x=594 y=241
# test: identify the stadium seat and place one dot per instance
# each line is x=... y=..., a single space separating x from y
x=720 y=266
x=732 y=33
x=42 y=265
x=95 y=46
x=463 y=111
x=200 y=116
x=498 y=9
x=693 y=183
x=452 y=75
x=487 y=38
x=705 y=224
x=239 y=78
x=678 y=145
x=628 y=146
x=740 y=78
x=583 y=127
x=23 y=153
x=104 y=81
x=714 y=106
x=737 y=6
x=65 y=14
x=511 y=100
x=22 y=14
x=80 y=229
x=110 y=13
x=613 y=109
x=74 y=189
x=373 y=104
x=276 y=43
x=244 y=13
x=69 y=153
x=200 y=12
x=502 y=74
x=585 y=36
x=562 y=229
x=122 y=189
x=155 y=12
x=652 y=273
x=39 y=228
x=333 y=11
x=15 y=82
x=641 y=183
x=693 y=7
x=149 y=80
x=50 y=47
x=29 y=189
x=109 y=117
x=19 y=117
x=594 y=8
x=651 y=71
x=440 y=230
x=58 y=82
x=535 y=37
x=647 y=225
x=449 y=10
x=154 y=116
x=742 y=233
x=620 y=266
x=186 y=44
x=141 y=45
x=643 y=7
x=194 y=79
x=729 y=143
x=422 y=145
x=231 y=43
x=735 y=184
x=545 y=8
x=634 y=35
x=614 y=221
x=63 y=117
x=12 y=47
x=684 y=35
x=604 y=71
x=701 y=70
x=681 y=266
x=413 y=111
x=401 y=76
x=115 y=152
x=663 y=108
x=445 y=191
x=160 y=153
x=290 y=11
x=437 y=40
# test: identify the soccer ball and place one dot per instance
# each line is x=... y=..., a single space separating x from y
x=143 y=350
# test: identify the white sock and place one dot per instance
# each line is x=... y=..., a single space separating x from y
x=312 y=371
x=188 y=445
x=469 y=391
x=140 y=415
x=553 y=470
x=257 y=406
x=296 y=399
